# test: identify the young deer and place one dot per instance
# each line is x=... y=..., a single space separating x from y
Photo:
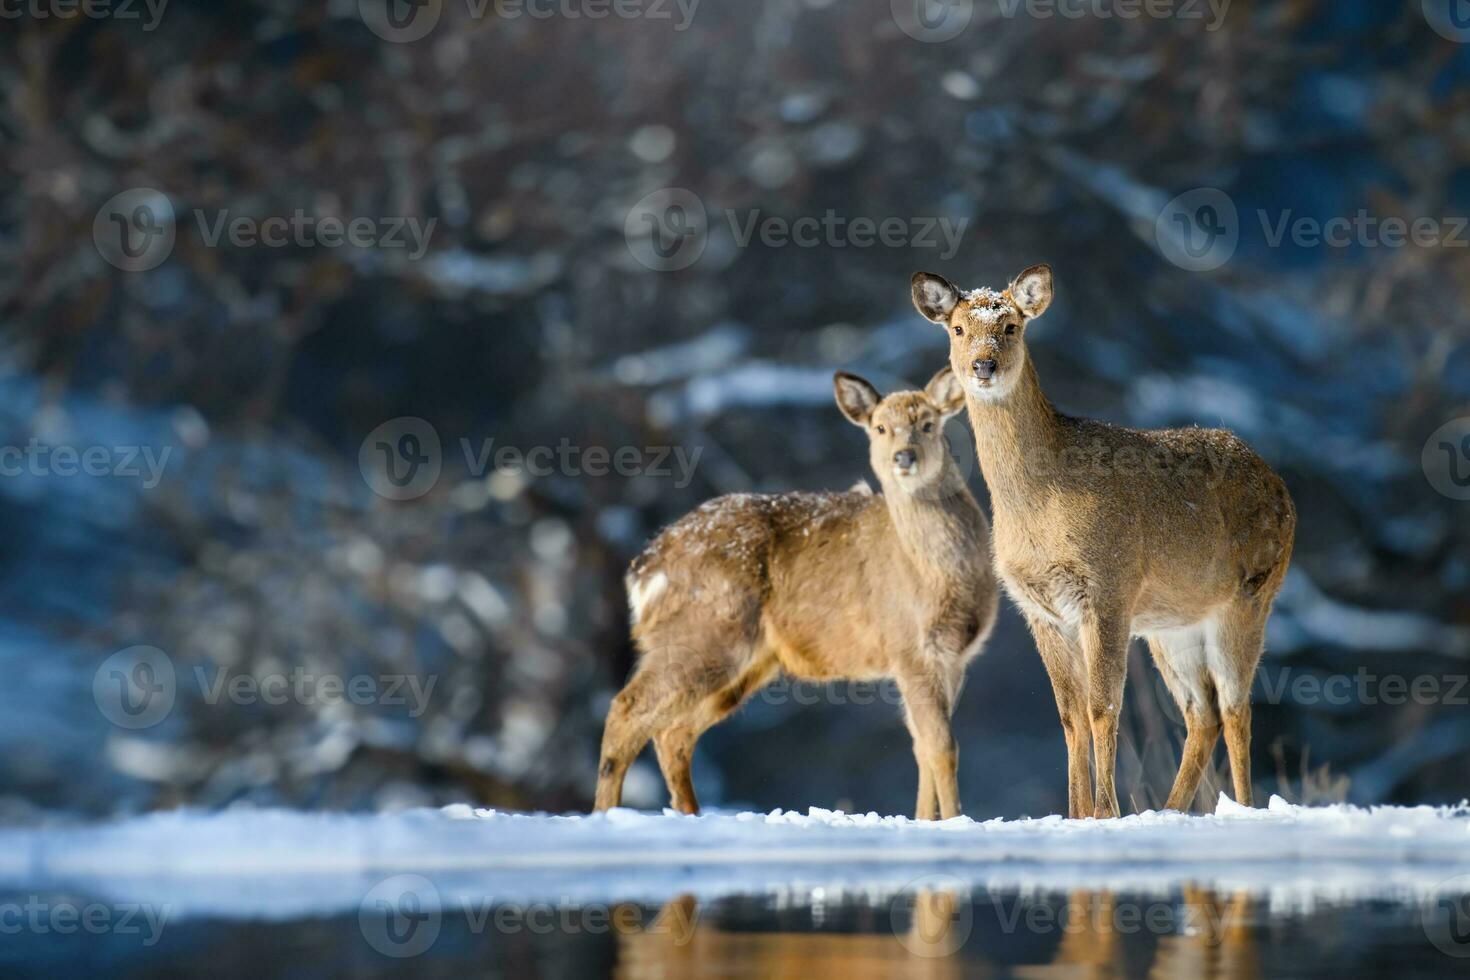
x=828 y=586
x=1103 y=533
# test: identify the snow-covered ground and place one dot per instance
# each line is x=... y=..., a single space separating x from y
x=281 y=864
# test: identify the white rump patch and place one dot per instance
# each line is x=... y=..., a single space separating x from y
x=861 y=487
x=644 y=591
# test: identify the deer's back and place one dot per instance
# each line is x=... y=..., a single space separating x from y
x=816 y=577
x=1191 y=517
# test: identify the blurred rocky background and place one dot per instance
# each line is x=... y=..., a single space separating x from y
x=548 y=307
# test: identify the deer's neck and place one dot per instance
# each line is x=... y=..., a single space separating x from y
x=941 y=529
x=1011 y=435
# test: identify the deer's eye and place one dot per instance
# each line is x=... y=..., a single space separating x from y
x=928 y=426
x=881 y=430
x=1010 y=329
x=959 y=331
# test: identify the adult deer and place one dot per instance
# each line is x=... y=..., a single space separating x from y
x=1103 y=533
x=827 y=586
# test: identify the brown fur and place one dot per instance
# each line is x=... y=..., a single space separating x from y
x=826 y=586
x=1182 y=536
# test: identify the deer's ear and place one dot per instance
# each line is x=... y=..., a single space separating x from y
x=946 y=392
x=855 y=397
x=935 y=297
x=1031 y=290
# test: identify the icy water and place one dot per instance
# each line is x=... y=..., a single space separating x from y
x=926 y=932
x=1279 y=891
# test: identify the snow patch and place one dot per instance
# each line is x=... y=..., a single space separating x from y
x=246 y=863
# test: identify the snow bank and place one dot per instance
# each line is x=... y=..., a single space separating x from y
x=277 y=863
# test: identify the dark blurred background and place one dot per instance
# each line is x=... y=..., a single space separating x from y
x=566 y=296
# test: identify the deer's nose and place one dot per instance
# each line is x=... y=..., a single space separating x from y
x=984 y=368
x=905 y=459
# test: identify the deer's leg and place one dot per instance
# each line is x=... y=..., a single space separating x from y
x=1181 y=659
x=1064 y=666
x=1202 y=732
x=1238 y=745
x=1105 y=650
x=667 y=689
x=630 y=723
x=1239 y=643
x=927 y=806
x=675 y=744
x=675 y=748
x=927 y=707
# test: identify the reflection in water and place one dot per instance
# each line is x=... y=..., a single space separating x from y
x=936 y=927
x=1201 y=936
x=940 y=933
x=925 y=950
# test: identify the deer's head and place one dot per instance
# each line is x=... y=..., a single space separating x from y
x=905 y=430
x=987 y=328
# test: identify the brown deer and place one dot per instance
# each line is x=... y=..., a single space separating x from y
x=823 y=586
x=1103 y=533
